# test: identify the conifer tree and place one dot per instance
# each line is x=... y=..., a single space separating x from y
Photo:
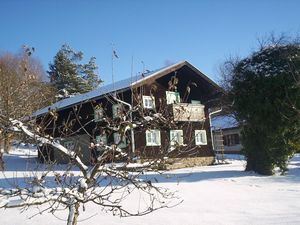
x=69 y=76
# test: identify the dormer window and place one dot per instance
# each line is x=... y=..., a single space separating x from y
x=172 y=97
x=148 y=102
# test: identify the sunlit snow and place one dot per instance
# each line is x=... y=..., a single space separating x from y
x=220 y=194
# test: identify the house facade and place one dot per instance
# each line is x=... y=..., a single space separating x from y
x=226 y=129
x=168 y=108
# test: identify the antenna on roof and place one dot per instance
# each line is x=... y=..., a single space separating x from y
x=131 y=73
x=143 y=65
x=113 y=57
x=143 y=68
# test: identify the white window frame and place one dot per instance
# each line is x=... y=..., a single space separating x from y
x=101 y=138
x=98 y=114
x=148 y=102
x=176 y=137
x=195 y=102
x=117 y=138
x=153 y=138
x=172 y=97
x=115 y=109
x=200 y=137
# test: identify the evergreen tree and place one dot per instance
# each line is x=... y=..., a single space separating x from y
x=265 y=92
x=69 y=76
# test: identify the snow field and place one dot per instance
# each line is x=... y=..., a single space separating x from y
x=221 y=194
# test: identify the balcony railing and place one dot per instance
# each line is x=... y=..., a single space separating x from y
x=188 y=112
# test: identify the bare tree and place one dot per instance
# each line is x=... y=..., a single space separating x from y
x=22 y=91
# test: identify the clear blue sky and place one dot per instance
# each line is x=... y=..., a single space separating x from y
x=203 y=32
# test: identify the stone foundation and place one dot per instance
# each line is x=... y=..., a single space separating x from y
x=177 y=163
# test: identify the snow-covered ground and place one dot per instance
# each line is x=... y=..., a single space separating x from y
x=221 y=194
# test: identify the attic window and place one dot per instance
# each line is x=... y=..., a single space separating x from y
x=148 y=102
x=172 y=97
x=200 y=137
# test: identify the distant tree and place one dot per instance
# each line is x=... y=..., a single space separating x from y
x=69 y=76
x=22 y=91
x=264 y=92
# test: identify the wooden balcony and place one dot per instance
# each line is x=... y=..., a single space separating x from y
x=188 y=112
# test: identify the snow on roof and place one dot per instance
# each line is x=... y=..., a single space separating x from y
x=224 y=122
x=102 y=90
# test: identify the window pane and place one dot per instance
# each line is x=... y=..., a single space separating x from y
x=172 y=97
x=153 y=138
x=70 y=145
x=148 y=102
x=101 y=139
x=195 y=102
x=98 y=114
x=176 y=137
x=236 y=139
x=200 y=137
x=149 y=139
x=117 y=110
x=117 y=140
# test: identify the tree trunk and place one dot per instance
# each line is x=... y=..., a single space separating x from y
x=1 y=153
x=6 y=142
x=76 y=214
x=73 y=214
x=250 y=166
x=1 y=161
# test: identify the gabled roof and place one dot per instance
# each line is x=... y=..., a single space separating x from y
x=121 y=85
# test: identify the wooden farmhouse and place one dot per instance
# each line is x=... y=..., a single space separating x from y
x=179 y=93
